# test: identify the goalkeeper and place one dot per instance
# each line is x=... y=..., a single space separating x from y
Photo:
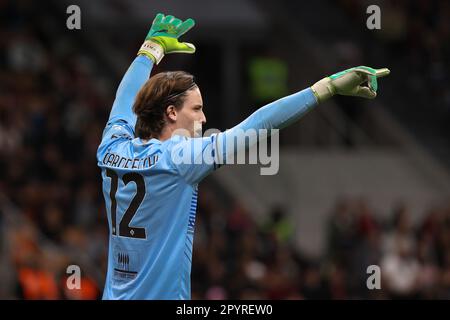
x=150 y=198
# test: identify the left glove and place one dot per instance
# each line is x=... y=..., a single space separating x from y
x=348 y=83
x=163 y=37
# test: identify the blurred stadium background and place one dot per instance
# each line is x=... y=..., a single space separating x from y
x=360 y=182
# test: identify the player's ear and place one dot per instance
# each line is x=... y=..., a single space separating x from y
x=171 y=113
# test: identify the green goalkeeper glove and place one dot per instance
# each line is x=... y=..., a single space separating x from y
x=163 y=37
x=348 y=83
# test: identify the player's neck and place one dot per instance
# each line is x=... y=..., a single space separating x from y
x=161 y=137
x=166 y=133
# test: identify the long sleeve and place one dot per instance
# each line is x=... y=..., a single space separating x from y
x=280 y=113
x=135 y=77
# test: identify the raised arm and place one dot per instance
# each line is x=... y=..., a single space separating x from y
x=160 y=40
x=133 y=80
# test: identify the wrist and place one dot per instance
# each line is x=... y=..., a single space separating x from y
x=153 y=50
x=323 y=90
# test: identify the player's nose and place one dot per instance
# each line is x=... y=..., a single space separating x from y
x=203 y=118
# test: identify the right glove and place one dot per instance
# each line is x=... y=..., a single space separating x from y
x=163 y=37
x=348 y=83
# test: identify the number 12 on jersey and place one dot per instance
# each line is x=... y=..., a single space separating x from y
x=124 y=226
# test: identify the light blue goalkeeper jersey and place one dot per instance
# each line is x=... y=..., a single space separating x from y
x=151 y=196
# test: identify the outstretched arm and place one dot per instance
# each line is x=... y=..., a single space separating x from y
x=283 y=112
x=276 y=115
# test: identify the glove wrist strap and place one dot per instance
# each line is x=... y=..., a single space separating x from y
x=153 y=50
x=322 y=90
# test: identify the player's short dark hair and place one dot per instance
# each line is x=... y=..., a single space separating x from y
x=160 y=91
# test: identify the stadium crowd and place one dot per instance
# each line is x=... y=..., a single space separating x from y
x=53 y=105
